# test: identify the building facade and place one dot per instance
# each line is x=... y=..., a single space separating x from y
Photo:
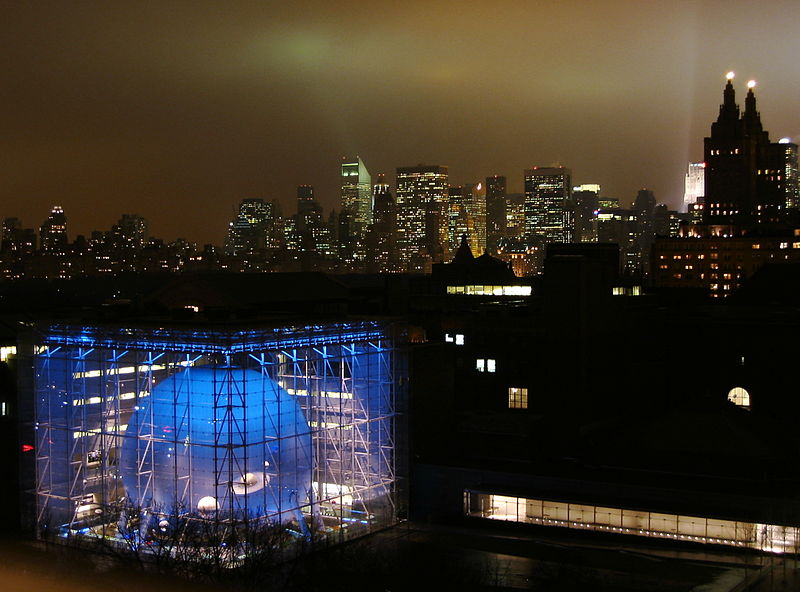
x=422 y=216
x=496 y=223
x=744 y=170
x=547 y=209
x=146 y=433
x=53 y=232
x=694 y=188
x=356 y=206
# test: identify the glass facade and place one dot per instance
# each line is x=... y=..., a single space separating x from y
x=764 y=537
x=141 y=431
x=487 y=290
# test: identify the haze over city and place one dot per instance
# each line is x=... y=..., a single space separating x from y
x=177 y=111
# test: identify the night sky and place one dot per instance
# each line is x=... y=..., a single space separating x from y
x=178 y=110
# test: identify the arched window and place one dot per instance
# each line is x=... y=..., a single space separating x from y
x=739 y=396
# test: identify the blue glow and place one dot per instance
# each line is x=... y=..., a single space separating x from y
x=238 y=442
x=224 y=342
x=140 y=429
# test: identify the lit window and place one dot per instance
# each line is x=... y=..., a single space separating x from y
x=784 y=245
x=480 y=365
x=448 y=338
x=517 y=398
x=6 y=351
x=459 y=339
x=491 y=365
x=739 y=396
x=756 y=246
x=4 y=408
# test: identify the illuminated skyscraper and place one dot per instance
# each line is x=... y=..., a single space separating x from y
x=476 y=206
x=249 y=231
x=790 y=176
x=467 y=209
x=356 y=204
x=422 y=213
x=694 y=185
x=547 y=212
x=314 y=235
x=130 y=232
x=53 y=232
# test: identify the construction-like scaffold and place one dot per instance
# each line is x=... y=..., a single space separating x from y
x=140 y=430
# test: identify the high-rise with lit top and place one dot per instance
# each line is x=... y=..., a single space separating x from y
x=744 y=171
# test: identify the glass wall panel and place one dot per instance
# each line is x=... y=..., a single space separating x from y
x=765 y=537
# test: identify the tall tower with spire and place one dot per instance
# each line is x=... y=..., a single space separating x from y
x=743 y=170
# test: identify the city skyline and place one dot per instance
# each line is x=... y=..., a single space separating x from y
x=178 y=113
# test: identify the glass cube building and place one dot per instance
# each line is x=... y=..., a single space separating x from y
x=138 y=430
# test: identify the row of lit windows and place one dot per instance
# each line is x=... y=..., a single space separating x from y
x=482 y=290
x=698 y=529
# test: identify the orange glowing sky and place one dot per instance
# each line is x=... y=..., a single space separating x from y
x=178 y=110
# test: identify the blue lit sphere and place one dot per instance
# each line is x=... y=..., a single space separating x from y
x=211 y=441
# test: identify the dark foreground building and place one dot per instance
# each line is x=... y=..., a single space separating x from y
x=641 y=416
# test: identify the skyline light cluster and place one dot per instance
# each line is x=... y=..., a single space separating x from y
x=180 y=112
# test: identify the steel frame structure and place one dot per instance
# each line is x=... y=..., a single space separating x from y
x=88 y=380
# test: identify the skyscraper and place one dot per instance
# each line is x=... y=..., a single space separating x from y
x=314 y=234
x=422 y=213
x=495 y=210
x=356 y=206
x=305 y=199
x=130 y=232
x=381 y=239
x=249 y=231
x=694 y=185
x=547 y=213
x=53 y=231
x=789 y=181
x=586 y=199
x=743 y=169
x=475 y=194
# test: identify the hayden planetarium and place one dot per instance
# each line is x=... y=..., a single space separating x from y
x=139 y=430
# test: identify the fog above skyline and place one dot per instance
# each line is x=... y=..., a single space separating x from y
x=178 y=110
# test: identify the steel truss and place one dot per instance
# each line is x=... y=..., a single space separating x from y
x=89 y=381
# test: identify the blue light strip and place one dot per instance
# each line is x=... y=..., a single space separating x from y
x=223 y=342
